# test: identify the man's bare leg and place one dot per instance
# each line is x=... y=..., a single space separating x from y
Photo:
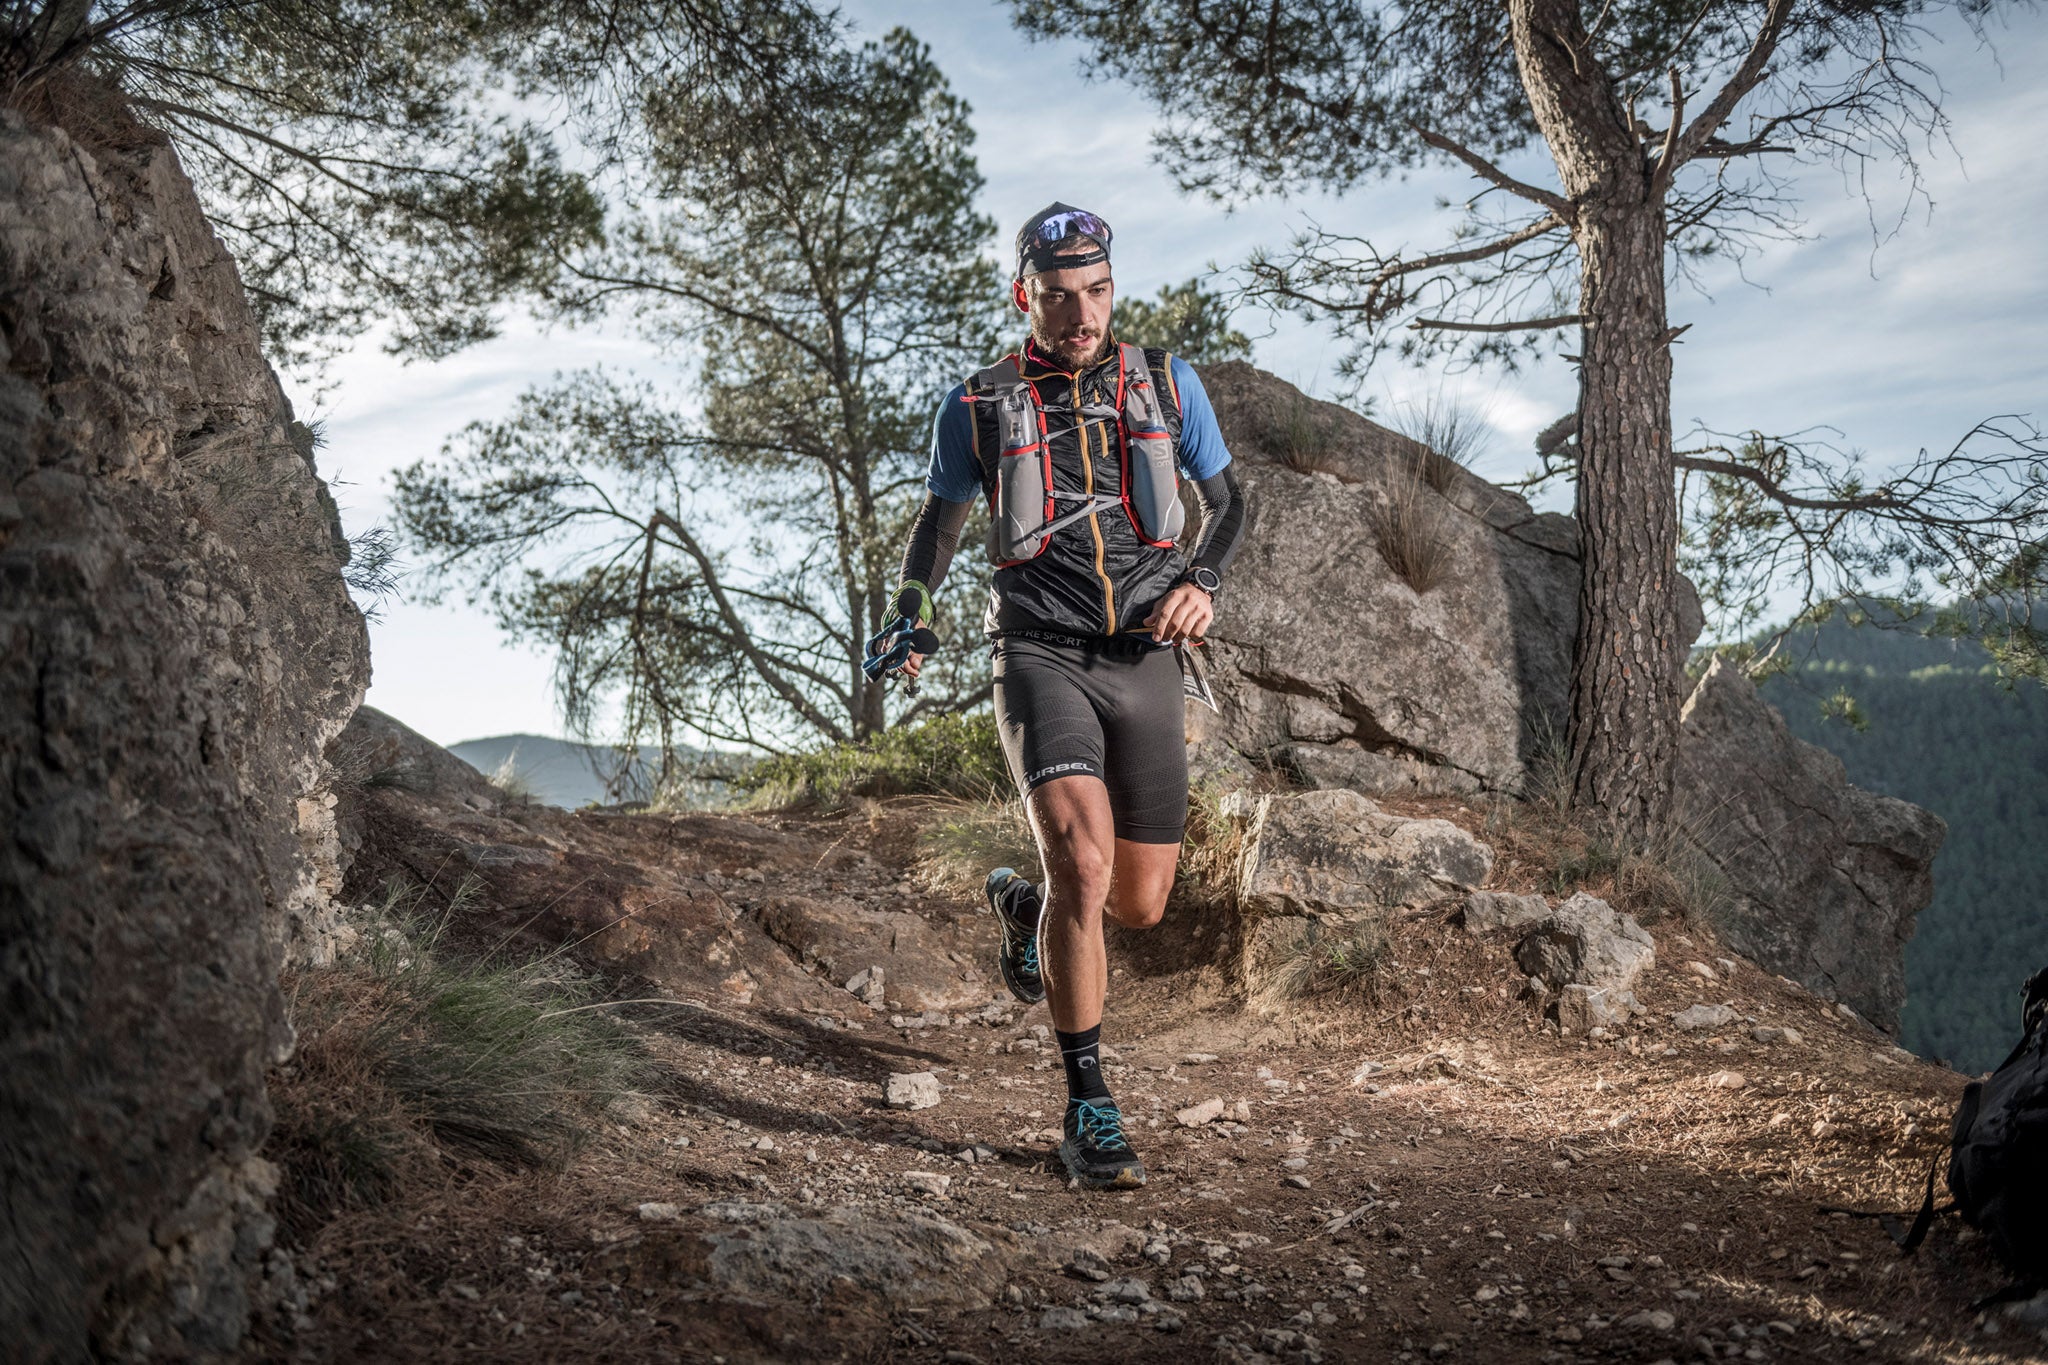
x=1089 y=872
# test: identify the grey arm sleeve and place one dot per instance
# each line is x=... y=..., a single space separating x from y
x=934 y=536
x=1225 y=508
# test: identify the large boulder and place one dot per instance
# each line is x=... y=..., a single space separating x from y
x=177 y=646
x=1324 y=865
x=1333 y=663
x=1823 y=878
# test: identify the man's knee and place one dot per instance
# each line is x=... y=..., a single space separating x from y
x=1137 y=910
x=1082 y=873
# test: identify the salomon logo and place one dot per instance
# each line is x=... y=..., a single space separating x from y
x=1054 y=770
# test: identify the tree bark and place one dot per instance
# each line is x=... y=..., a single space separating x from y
x=1625 y=693
x=1625 y=683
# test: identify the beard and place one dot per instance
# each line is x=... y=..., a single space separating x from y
x=1077 y=358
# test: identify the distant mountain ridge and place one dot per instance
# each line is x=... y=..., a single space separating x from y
x=1942 y=734
x=566 y=773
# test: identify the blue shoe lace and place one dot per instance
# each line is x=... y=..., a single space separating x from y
x=1028 y=961
x=1101 y=1126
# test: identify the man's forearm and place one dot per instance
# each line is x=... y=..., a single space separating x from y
x=1224 y=507
x=934 y=537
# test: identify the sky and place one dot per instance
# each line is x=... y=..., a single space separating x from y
x=1899 y=344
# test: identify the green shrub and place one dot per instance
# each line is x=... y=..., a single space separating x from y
x=945 y=756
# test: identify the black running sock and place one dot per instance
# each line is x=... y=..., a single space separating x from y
x=1082 y=1053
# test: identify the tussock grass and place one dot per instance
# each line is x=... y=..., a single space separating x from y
x=1409 y=527
x=1568 y=851
x=1352 y=961
x=413 y=1058
x=956 y=756
x=1304 y=438
x=963 y=841
x=512 y=784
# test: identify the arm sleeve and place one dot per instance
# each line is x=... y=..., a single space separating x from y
x=1224 y=508
x=934 y=536
x=1202 y=452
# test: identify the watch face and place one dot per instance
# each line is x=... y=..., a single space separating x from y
x=1206 y=580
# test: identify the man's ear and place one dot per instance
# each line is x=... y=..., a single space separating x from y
x=1018 y=297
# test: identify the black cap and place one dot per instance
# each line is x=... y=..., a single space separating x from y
x=1047 y=241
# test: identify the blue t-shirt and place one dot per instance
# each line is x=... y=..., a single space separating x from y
x=956 y=475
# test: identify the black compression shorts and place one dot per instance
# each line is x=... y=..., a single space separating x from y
x=1108 y=708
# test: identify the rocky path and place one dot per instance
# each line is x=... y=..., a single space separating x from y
x=1428 y=1173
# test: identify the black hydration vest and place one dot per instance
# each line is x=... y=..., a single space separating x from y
x=1082 y=476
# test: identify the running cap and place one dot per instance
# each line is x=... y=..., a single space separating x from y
x=1055 y=226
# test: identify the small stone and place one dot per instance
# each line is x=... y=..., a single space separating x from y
x=1702 y=970
x=1198 y=1058
x=1295 y=1163
x=1186 y=1289
x=1656 y=1319
x=1116 y=1315
x=911 y=1090
x=659 y=1213
x=1486 y=1293
x=1088 y=1264
x=868 y=986
x=1764 y=1033
x=1299 y=1182
x=1693 y=1018
x=1062 y=1319
x=1726 y=964
x=1727 y=1080
x=1241 y=1112
x=1124 y=1291
x=1195 y=1115
x=932 y=1184
x=1779 y=1120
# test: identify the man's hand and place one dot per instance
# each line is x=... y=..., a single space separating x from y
x=1183 y=614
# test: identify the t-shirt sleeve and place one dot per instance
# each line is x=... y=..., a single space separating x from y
x=1202 y=452
x=955 y=474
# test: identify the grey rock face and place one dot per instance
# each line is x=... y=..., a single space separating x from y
x=176 y=648
x=1329 y=661
x=1334 y=855
x=1325 y=863
x=1825 y=877
x=1586 y=942
x=1486 y=911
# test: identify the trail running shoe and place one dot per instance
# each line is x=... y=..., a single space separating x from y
x=1017 y=959
x=1095 y=1150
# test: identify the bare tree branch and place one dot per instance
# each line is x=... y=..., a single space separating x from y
x=1486 y=170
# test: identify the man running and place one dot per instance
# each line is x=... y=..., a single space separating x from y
x=1078 y=443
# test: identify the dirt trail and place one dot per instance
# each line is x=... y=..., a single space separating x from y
x=1430 y=1174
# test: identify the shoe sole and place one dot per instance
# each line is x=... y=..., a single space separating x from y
x=989 y=890
x=1129 y=1177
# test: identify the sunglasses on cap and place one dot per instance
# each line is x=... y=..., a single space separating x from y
x=1073 y=223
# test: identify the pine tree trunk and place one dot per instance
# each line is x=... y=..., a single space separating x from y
x=1623 y=725
x=1625 y=679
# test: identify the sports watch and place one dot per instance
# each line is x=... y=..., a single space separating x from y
x=1204 y=578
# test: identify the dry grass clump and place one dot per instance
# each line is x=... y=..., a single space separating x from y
x=963 y=841
x=1408 y=527
x=1354 y=960
x=1565 y=852
x=413 y=1059
x=1304 y=438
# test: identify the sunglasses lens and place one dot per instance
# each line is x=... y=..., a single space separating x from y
x=1061 y=225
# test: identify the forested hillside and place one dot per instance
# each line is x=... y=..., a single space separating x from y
x=1942 y=734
